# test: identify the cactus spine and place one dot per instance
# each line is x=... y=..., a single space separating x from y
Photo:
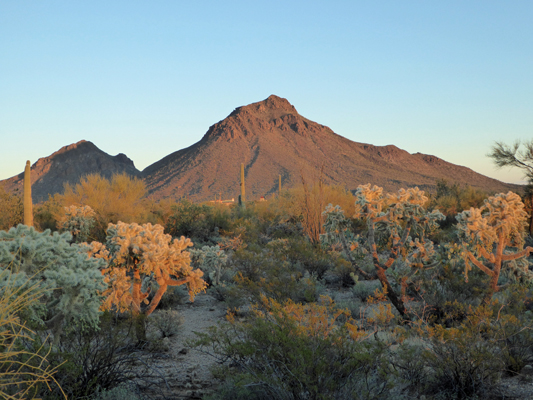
x=28 y=205
x=243 y=195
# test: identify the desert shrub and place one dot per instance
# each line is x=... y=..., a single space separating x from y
x=121 y=198
x=295 y=351
x=271 y=271
x=166 y=322
x=466 y=360
x=25 y=369
x=46 y=214
x=443 y=291
x=11 y=209
x=199 y=222
x=121 y=392
x=306 y=203
x=362 y=290
x=452 y=198
x=91 y=361
x=174 y=295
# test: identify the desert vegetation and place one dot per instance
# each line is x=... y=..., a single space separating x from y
x=329 y=294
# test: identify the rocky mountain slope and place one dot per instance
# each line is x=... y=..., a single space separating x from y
x=68 y=165
x=271 y=139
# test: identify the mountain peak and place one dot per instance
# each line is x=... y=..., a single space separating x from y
x=257 y=118
x=274 y=102
x=272 y=105
x=68 y=165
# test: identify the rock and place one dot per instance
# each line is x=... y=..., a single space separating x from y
x=184 y=351
x=527 y=371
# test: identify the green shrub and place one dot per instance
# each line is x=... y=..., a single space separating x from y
x=121 y=392
x=362 y=290
x=166 y=322
x=101 y=359
x=295 y=351
x=467 y=360
x=199 y=222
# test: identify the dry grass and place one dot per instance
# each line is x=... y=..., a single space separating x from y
x=22 y=371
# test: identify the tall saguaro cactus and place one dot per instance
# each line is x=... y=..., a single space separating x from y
x=28 y=205
x=243 y=193
x=279 y=190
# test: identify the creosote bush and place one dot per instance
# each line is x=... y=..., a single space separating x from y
x=294 y=351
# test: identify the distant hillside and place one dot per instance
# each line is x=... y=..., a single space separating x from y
x=68 y=165
x=272 y=139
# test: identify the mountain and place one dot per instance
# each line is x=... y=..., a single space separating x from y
x=272 y=139
x=68 y=165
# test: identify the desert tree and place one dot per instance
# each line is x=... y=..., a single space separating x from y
x=493 y=235
x=400 y=222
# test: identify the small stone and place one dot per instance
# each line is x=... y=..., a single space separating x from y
x=527 y=370
x=183 y=351
x=212 y=309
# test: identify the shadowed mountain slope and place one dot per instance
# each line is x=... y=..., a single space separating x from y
x=272 y=139
x=68 y=165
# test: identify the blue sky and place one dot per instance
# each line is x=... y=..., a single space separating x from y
x=147 y=78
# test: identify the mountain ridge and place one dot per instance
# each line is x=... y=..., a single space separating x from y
x=271 y=139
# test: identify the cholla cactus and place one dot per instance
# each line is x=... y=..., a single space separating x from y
x=72 y=281
x=136 y=253
x=400 y=216
x=211 y=259
x=488 y=232
x=78 y=221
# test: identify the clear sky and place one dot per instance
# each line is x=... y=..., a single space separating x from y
x=147 y=78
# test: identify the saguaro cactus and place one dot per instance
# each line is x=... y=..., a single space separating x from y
x=243 y=194
x=28 y=205
x=279 y=190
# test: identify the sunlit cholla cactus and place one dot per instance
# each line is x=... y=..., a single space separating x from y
x=494 y=234
x=211 y=259
x=73 y=279
x=137 y=253
x=404 y=221
x=78 y=220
